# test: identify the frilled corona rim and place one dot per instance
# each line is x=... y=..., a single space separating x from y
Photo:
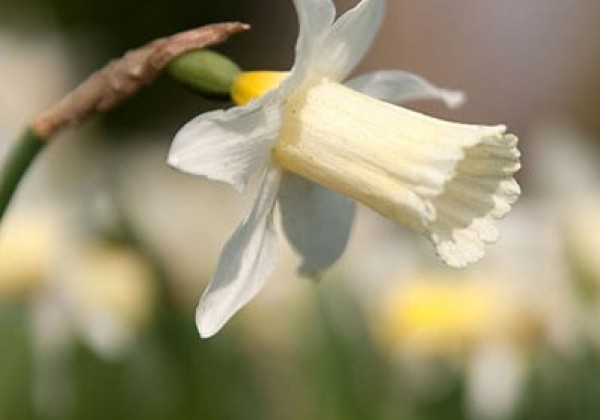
x=481 y=191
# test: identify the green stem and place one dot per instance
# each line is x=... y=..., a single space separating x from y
x=17 y=162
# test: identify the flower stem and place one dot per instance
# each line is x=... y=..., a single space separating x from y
x=17 y=162
x=114 y=83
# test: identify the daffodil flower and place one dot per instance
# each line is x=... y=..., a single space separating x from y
x=313 y=138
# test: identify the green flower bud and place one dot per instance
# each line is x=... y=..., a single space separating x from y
x=206 y=72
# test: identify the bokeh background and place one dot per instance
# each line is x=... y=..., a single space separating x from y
x=106 y=251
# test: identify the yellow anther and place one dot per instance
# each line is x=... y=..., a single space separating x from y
x=252 y=84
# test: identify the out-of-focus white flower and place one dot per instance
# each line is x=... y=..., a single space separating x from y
x=477 y=323
x=449 y=181
x=495 y=379
x=108 y=292
x=102 y=292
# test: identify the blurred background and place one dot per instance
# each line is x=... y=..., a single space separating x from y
x=105 y=252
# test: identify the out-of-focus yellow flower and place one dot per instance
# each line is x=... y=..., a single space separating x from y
x=102 y=290
x=27 y=247
x=110 y=293
x=444 y=315
x=475 y=323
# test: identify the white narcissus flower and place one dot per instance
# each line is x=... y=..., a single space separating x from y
x=309 y=135
x=108 y=292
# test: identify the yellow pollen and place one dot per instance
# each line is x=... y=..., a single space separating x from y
x=249 y=85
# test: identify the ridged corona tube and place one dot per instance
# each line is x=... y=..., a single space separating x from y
x=443 y=178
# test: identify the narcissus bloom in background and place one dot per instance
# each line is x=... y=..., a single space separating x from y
x=101 y=290
x=444 y=315
x=313 y=138
x=26 y=246
x=479 y=323
x=108 y=291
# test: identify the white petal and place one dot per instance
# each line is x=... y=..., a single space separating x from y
x=314 y=18
x=247 y=260
x=495 y=380
x=316 y=221
x=228 y=146
x=480 y=191
x=348 y=39
x=399 y=86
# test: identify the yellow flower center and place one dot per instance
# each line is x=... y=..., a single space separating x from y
x=252 y=84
